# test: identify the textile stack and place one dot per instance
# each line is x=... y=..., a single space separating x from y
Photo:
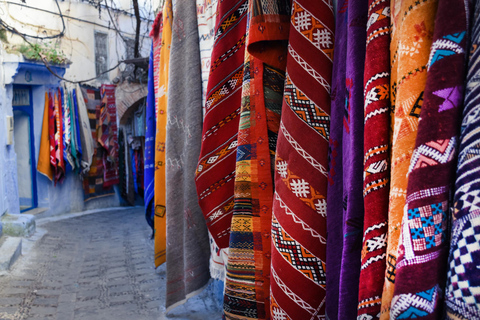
x=334 y=173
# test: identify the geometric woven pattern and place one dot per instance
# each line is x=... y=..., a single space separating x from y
x=433 y=153
x=297 y=229
x=462 y=297
x=446 y=46
x=299 y=257
x=306 y=109
x=427 y=226
x=412 y=306
x=466 y=258
x=414 y=23
x=301 y=188
x=247 y=281
x=216 y=165
x=423 y=249
x=276 y=312
x=313 y=29
x=231 y=21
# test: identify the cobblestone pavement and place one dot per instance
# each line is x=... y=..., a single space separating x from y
x=97 y=267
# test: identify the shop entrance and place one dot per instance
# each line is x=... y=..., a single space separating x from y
x=24 y=147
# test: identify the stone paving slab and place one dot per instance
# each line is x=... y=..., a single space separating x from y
x=94 y=266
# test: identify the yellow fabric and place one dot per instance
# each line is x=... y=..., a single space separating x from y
x=160 y=192
x=43 y=165
x=413 y=22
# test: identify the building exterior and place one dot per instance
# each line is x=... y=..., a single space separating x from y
x=94 y=36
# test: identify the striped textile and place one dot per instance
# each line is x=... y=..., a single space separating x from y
x=216 y=166
x=376 y=172
x=299 y=209
x=247 y=284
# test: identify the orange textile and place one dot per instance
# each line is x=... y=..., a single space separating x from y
x=43 y=165
x=160 y=181
x=412 y=32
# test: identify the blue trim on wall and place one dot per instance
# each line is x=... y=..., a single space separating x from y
x=28 y=109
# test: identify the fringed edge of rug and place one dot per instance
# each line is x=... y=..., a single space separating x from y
x=217 y=272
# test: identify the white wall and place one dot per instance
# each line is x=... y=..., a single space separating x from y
x=78 y=41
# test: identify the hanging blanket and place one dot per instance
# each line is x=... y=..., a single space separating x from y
x=51 y=131
x=67 y=126
x=299 y=208
x=122 y=168
x=376 y=171
x=160 y=137
x=107 y=134
x=59 y=160
x=93 y=181
x=187 y=237
x=335 y=174
x=206 y=18
x=423 y=247
x=85 y=137
x=413 y=23
x=76 y=144
x=216 y=166
x=247 y=283
x=156 y=35
x=150 y=144
x=463 y=286
x=44 y=166
x=352 y=148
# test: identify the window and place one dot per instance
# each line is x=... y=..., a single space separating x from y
x=101 y=55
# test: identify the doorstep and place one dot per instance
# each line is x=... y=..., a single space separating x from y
x=35 y=211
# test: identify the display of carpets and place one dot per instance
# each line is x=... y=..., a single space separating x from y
x=366 y=135
x=93 y=180
x=73 y=119
x=320 y=158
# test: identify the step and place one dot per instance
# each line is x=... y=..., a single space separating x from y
x=18 y=225
x=10 y=250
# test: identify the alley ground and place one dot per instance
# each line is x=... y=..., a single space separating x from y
x=96 y=266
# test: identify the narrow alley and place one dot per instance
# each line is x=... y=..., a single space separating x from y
x=93 y=266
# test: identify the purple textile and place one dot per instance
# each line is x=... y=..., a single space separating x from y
x=335 y=175
x=352 y=147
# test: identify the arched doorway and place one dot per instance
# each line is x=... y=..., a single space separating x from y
x=132 y=145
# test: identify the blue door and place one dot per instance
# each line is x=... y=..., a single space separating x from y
x=25 y=147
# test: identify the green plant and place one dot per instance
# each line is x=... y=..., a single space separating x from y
x=38 y=50
x=3 y=35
